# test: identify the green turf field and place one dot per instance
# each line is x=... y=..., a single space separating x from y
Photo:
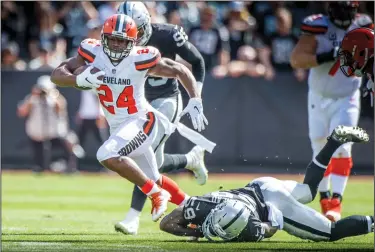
x=77 y=213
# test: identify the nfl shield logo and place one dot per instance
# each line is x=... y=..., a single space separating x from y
x=113 y=71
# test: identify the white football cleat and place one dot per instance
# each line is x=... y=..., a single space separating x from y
x=345 y=134
x=196 y=164
x=159 y=204
x=128 y=227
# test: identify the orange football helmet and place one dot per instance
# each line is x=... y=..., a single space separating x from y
x=119 y=35
x=357 y=52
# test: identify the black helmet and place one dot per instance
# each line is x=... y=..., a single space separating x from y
x=342 y=13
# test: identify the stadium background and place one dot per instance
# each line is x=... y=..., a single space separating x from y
x=255 y=104
x=254 y=101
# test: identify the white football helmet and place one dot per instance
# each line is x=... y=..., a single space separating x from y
x=226 y=220
x=139 y=13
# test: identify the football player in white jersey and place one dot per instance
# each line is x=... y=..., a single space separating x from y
x=165 y=96
x=333 y=98
x=133 y=122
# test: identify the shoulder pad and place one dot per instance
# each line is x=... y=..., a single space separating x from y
x=363 y=20
x=315 y=24
x=146 y=57
x=88 y=49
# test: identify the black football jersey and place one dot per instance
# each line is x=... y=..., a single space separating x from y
x=197 y=208
x=167 y=38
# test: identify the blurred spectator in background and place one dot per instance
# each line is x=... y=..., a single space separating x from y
x=90 y=118
x=156 y=11
x=74 y=16
x=210 y=39
x=43 y=61
x=265 y=14
x=13 y=23
x=49 y=57
x=225 y=32
x=240 y=26
x=45 y=110
x=94 y=27
x=9 y=58
x=107 y=9
x=187 y=13
x=276 y=48
x=243 y=56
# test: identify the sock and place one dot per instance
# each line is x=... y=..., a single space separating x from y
x=313 y=175
x=138 y=200
x=150 y=187
x=133 y=213
x=324 y=184
x=337 y=196
x=351 y=226
x=316 y=169
x=339 y=184
x=177 y=195
x=173 y=163
x=325 y=195
x=324 y=156
x=341 y=168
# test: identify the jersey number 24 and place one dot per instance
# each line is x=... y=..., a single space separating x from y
x=124 y=100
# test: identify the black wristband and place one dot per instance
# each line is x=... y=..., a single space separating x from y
x=325 y=57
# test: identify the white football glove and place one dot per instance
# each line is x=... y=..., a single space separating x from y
x=195 y=110
x=88 y=80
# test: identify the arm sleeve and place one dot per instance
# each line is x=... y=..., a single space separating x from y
x=191 y=54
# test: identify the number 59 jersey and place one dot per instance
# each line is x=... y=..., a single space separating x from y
x=327 y=79
x=122 y=93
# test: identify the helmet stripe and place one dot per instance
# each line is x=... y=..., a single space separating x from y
x=121 y=25
x=124 y=9
x=116 y=21
x=234 y=219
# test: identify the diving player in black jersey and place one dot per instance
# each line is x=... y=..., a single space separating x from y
x=164 y=95
x=272 y=205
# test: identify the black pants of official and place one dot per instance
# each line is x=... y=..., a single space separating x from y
x=85 y=127
x=43 y=153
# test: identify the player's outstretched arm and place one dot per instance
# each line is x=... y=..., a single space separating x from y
x=63 y=75
x=175 y=223
x=172 y=69
x=304 y=53
x=190 y=54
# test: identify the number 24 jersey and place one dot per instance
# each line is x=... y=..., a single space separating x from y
x=122 y=94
